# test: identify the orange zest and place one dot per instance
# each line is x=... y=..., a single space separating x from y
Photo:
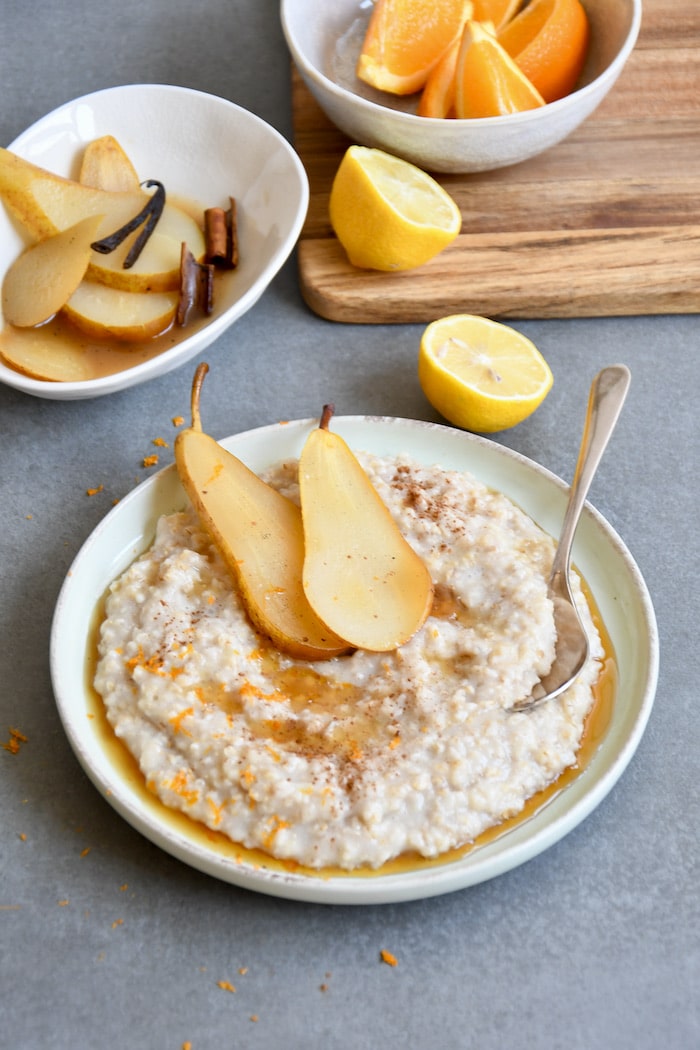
x=549 y=40
x=405 y=39
x=488 y=82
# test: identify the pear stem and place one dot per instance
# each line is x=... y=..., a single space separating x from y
x=326 y=416
x=196 y=391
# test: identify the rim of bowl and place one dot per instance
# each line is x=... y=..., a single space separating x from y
x=459 y=123
x=152 y=368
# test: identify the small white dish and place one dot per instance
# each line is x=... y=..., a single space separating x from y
x=205 y=150
x=325 y=41
x=600 y=555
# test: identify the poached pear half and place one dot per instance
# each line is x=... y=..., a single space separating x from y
x=260 y=536
x=361 y=576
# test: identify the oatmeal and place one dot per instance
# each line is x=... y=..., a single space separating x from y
x=352 y=761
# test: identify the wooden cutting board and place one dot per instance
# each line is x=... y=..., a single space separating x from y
x=605 y=223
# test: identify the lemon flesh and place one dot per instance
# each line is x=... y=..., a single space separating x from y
x=481 y=375
x=387 y=213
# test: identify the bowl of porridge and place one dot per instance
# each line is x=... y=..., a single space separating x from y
x=325 y=46
x=369 y=777
x=204 y=150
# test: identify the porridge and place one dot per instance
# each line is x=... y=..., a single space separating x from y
x=352 y=761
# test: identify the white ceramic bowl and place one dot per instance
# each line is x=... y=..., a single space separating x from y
x=325 y=40
x=615 y=582
x=204 y=149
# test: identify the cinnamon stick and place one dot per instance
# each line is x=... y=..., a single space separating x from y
x=221 y=236
x=196 y=287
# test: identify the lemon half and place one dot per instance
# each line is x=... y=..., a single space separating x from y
x=481 y=375
x=387 y=213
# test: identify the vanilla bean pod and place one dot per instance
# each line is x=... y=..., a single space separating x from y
x=148 y=217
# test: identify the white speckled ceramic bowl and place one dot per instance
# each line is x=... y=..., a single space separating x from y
x=204 y=149
x=325 y=40
x=613 y=577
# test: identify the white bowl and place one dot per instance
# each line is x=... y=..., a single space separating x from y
x=204 y=149
x=325 y=40
x=613 y=577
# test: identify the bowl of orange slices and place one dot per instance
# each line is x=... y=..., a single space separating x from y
x=460 y=85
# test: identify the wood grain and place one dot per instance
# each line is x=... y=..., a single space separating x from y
x=605 y=223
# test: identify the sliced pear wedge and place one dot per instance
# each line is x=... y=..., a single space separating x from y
x=109 y=313
x=43 y=278
x=106 y=166
x=360 y=575
x=157 y=268
x=260 y=536
x=45 y=204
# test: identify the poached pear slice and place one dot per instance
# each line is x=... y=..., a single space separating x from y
x=260 y=536
x=360 y=575
x=45 y=204
x=105 y=166
x=44 y=277
x=109 y=313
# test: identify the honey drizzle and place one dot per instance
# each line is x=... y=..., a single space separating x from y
x=595 y=727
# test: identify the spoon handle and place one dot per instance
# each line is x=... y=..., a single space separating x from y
x=607 y=395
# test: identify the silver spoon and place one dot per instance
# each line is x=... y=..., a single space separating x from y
x=608 y=392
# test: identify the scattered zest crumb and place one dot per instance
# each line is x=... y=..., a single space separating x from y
x=388 y=958
x=63 y=904
x=124 y=887
x=254 y=1017
x=161 y=443
x=150 y=461
x=93 y=492
x=178 y=421
x=243 y=970
x=226 y=986
x=22 y=836
x=29 y=516
x=117 y=922
x=187 y=1045
x=84 y=852
x=16 y=740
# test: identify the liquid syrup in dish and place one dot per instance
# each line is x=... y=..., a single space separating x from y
x=123 y=762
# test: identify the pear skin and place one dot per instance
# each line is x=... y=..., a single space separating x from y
x=259 y=534
x=45 y=203
x=360 y=575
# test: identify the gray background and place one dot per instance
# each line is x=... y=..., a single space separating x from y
x=592 y=944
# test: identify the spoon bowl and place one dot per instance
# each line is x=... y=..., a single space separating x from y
x=608 y=391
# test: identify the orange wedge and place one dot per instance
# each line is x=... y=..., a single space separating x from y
x=405 y=39
x=438 y=96
x=549 y=41
x=488 y=83
x=497 y=11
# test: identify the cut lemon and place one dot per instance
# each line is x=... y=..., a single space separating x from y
x=481 y=375
x=549 y=42
x=406 y=38
x=488 y=82
x=389 y=214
